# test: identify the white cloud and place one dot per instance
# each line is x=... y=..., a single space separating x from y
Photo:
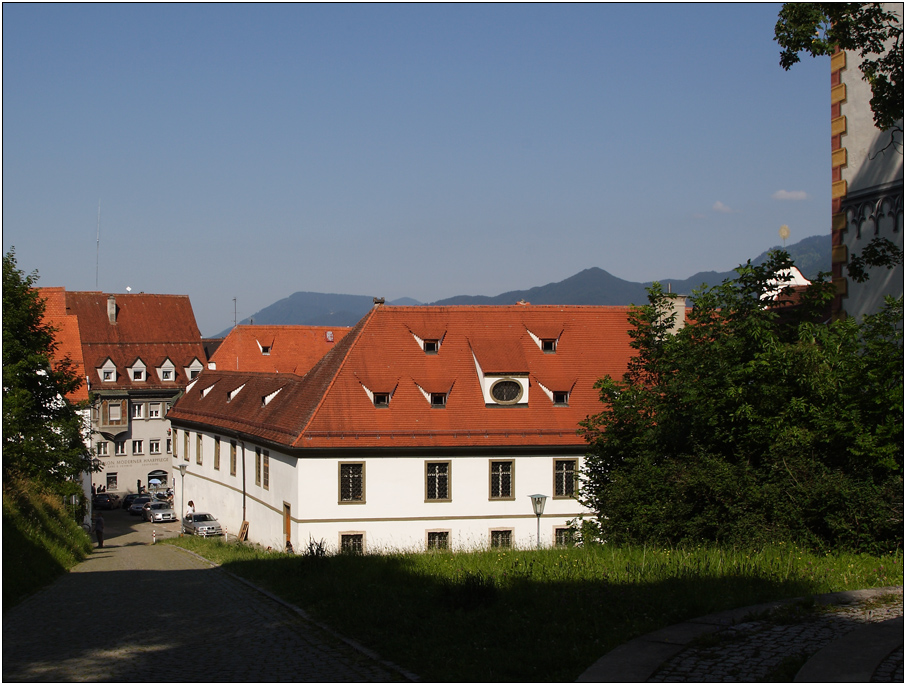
x=790 y=195
x=721 y=207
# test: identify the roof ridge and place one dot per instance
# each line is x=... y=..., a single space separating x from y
x=352 y=337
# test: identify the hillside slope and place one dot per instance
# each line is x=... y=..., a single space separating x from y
x=593 y=286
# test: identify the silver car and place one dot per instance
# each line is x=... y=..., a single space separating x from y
x=159 y=512
x=201 y=524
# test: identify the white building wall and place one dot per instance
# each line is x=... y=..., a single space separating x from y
x=395 y=514
x=220 y=493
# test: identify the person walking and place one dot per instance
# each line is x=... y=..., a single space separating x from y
x=99 y=529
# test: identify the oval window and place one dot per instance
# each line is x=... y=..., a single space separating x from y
x=506 y=391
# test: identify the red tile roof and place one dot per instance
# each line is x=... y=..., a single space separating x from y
x=293 y=349
x=329 y=407
x=69 y=343
x=152 y=328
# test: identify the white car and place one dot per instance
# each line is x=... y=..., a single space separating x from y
x=202 y=524
x=158 y=512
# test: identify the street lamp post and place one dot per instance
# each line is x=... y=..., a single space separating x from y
x=182 y=497
x=538 y=507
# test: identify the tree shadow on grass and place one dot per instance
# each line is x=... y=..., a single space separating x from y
x=501 y=626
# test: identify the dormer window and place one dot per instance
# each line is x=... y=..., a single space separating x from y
x=561 y=399
x=107 y=371
x=382 y=399
x=431 y=346
x=265 y=349
x=138 y=374
x=166 y=371
x=193 y=369
x=439 y=399
x=549 y=346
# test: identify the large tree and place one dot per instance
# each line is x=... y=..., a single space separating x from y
x=819 y=28
x=42 y=431
x=755 y=422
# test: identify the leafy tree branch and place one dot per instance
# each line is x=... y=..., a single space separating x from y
x=819 y=28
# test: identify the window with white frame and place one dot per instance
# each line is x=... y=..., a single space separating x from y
x=564 y=537
x=101 y=448
x=438 y=539
x=216 y=452
x=199 y=449
x=266 y=470
x=138 y=410
x=352 y=482
x=232 y=457
x=565 y=477
x=438 y=400
x=119 y=448
x=154 y=410
x=169 y=445
x=502 y=538
x=257 y=466
x=154 y=447
x=138 y=374
x=437 y=481
x=138 y=447
x=501 y=486
x=352 y=543
x=111 y=481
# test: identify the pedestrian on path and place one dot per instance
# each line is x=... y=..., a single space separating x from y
x=99 y=529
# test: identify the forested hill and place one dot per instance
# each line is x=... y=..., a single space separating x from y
x=591 y=286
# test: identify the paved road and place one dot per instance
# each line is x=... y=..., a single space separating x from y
x=136 y=612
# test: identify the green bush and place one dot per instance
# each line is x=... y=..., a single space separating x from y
x=753 y=423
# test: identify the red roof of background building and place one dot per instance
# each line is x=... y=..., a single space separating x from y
x=152 y=328
x=69 y=342
x=292 y=349
x=330 y=408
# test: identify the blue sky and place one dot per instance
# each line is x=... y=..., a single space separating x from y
x=426 y=151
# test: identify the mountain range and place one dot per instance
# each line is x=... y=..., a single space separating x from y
x=592 y=286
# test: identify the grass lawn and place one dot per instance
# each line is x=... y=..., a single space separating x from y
x=526 y=615
x=41 y=541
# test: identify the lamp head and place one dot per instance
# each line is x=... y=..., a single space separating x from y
x=538 y=503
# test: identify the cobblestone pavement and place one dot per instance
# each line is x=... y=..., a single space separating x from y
x=137 y=612
x=891 y=669
x=754 y=650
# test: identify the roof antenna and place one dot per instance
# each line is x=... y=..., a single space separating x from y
x=234 y=312
x=97 y=259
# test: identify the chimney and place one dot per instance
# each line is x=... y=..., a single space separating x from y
x=378 y=300
x=111 y=309
x=678 y=303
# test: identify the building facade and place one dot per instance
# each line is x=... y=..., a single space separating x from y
x=423 y=427
x=138 y=353
x=867 y=185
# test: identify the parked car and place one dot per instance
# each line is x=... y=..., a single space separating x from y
x=202 y=524
x=105 y=501
x=158 y=512
x=138 y=504
x=129 y=499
